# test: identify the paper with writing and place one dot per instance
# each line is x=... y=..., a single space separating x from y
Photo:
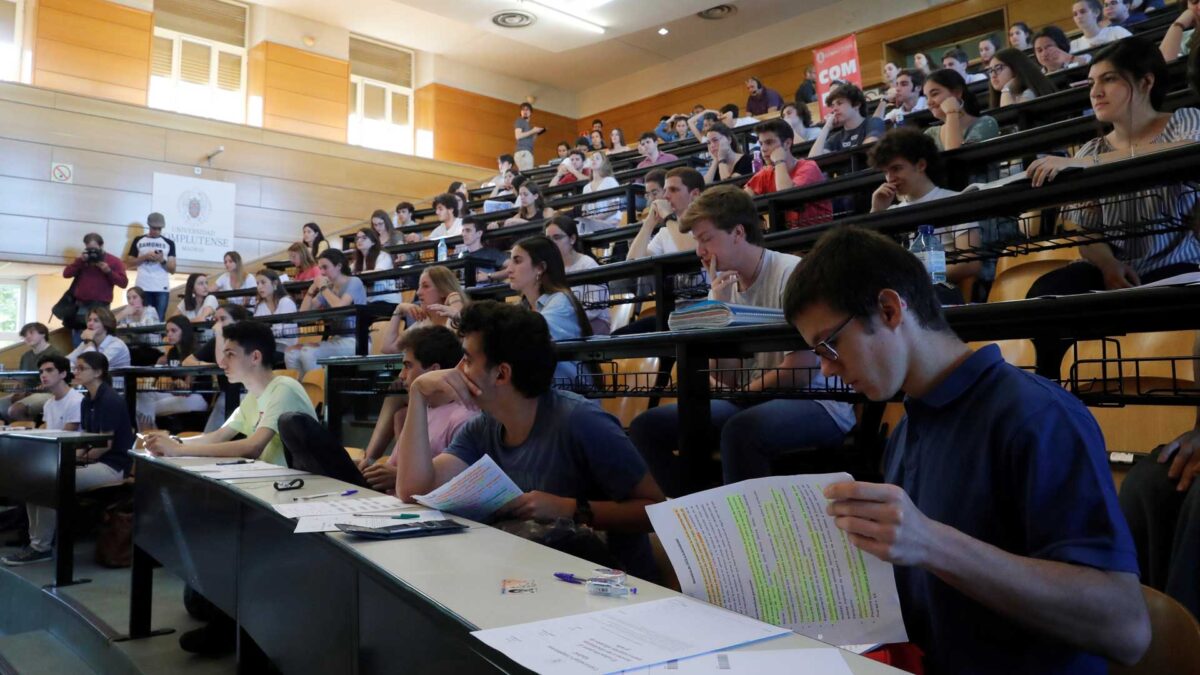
x=476 y=493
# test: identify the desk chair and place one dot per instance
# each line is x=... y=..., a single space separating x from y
x=314 y=386
x=1015 y=274
x=1174 y=639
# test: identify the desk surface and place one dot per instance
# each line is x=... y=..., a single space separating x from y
x=460 y=574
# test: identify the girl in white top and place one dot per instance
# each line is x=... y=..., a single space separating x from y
x=98 y=337
x=137 y=313
x=197 y=305
x=608 y=211
x=370 y=257
x=1014 y=78
x=272 y=300
x=235 y=278
x=563 y=232
x=440 y=299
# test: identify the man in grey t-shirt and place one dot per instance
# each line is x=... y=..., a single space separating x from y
x=525 y=133
x=729 y=241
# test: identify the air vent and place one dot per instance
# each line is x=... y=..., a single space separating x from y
x=513 y=18
x=717 y=13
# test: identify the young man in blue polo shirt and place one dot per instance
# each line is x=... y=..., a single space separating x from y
x=999 y=511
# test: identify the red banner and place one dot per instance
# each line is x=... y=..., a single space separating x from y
x=836 y=61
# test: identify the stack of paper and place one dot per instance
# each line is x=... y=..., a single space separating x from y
x=713 y=314
x=227 y=470
x=476 y=493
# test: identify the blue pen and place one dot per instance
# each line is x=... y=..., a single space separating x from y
x=569 y=578
x=347 y=493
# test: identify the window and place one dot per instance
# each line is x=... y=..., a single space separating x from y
x=12 y=308
x=381 y=96
x=11 y=18
x=198 y=58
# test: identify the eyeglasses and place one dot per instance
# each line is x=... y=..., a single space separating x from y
x=994 y=70
x=824 y=349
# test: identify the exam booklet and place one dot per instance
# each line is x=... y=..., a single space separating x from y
x=766 y=548
x=714 y=314
x=476 y=493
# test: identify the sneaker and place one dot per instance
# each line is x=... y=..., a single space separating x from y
x=27 y=556
x=216 y=639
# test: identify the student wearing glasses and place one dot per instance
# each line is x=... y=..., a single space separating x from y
x=985 y=453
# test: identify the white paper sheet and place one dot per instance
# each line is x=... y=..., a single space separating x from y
x=766 y=548
x=331 y=506
x=626 y=637
x=757 y=662
x=330 y=523
x=277 y=472
x=476 y=493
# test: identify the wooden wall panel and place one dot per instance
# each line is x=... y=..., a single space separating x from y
x=785 y=72
x=301 y=93
x=473 y=129
x=94 y=48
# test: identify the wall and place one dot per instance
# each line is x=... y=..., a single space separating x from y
x=282 y=180
x=473 y=129
x=94 y=48
x=297 y=91
x=785 y=72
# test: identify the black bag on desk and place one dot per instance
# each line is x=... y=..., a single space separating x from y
x=67 y=308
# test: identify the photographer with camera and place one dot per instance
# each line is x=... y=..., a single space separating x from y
x=96 y=272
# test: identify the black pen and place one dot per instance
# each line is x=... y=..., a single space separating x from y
x=236 y=461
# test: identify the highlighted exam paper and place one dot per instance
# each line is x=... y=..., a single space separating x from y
x=476 y=493
x=766 y=548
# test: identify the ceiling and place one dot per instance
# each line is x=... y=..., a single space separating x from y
x=553 y=50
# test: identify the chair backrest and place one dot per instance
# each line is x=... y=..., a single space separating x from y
x=1174 y=639
x=630 y=373
x=1015 y=274
x=1097 y=360
x=314 y=386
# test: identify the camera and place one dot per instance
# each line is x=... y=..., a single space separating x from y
x=93 y=255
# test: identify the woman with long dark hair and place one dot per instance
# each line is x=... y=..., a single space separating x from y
x=563 y=231
x=536 y=271
x=1012 y=78
x=369 y=256
x=958 y=110
x=381 y=222
x=530 y=204
x=180 y=339
x=314 y=239
x=197 y=304
x=273 y=299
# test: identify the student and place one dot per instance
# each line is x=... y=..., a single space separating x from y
x=571 y=169
x=369 y=256
x=1053 y=50
x=648 y=149
x=197 y=304
x=958 y=109
x=682 y=185
x=235 y=277
x=728 y=159
x=562 y=149
x=27 y=406
x=597 y=138
x=425 y=350
x=102 y=410
x=1119 y=13
x=921 y=62
x=1020 y=36
x=730 y=116
x=1013 y=78
x=273 y=299
x=606 y=213
x=248 y=349
x=153 y=256
x=912 y=166
x=729 y=243
x=445 y=209
x=806 y=92
x=984 y=454
x=314 y=239
x=525 y=134
x=760 y=99
x=302 y=259
x=673 y=128
x=988 y=47
x=785 y=171
x=101 y=324
x=1130 y=84
x=136 y=312
x=336 y=287
x=905 y=95
x=503 y=187
x=957 y=60
x=530 y=204
x=536 y=271
x=1178 y=41
x=799 y=118
x=488 y=261
x=890 y=72
x=180 y=339
x=571 y=458
x=1086 y=14
x=617 y=138
x=504 y=164
x=385 y=231
x=61 y=413
x=846 y=102
x=207 y=353
x=441 y=299
x=404 y=213
x=563 y=231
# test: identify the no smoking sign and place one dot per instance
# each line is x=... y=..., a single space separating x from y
x=62 y=173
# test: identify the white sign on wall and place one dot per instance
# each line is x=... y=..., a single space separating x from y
x=199 y=215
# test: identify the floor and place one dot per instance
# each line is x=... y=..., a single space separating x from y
x=107 y=596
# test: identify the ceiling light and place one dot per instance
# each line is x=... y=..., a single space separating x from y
x=663 y=31
x=577 y=20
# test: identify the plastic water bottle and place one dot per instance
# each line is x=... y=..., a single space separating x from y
x=441 y=250
x=928 y=249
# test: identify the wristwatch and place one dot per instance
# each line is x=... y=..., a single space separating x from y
x=583 y=512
